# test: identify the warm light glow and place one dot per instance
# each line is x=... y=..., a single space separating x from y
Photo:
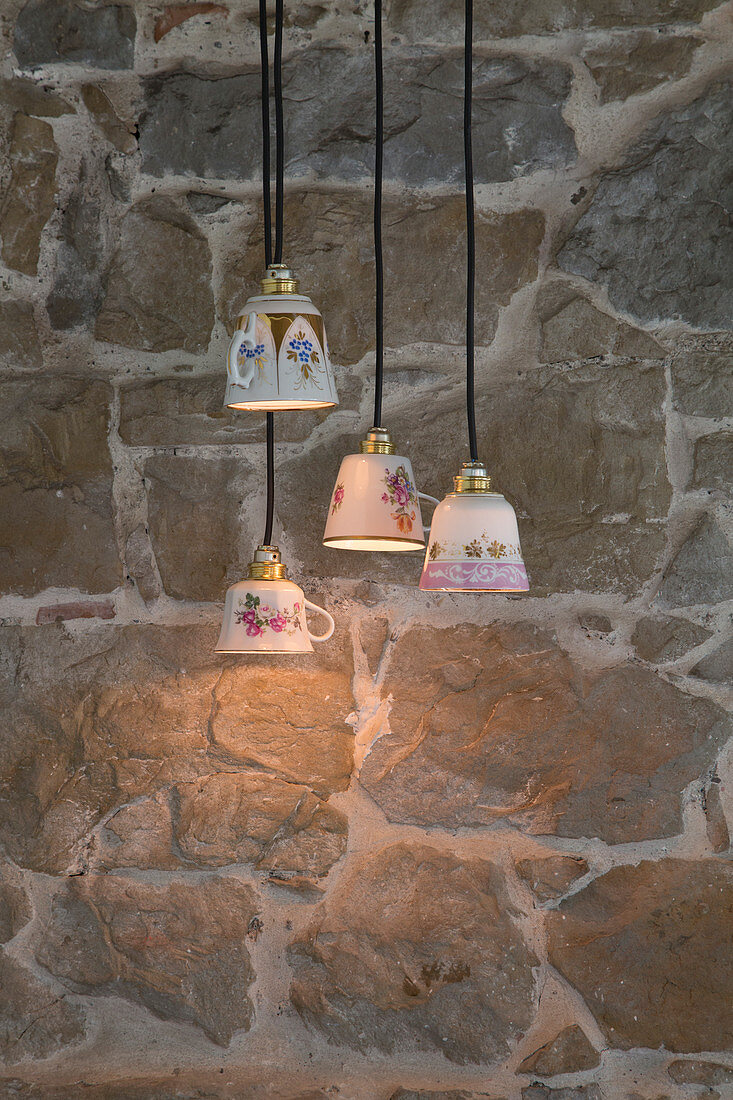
x=365 y=542
x=274 y=406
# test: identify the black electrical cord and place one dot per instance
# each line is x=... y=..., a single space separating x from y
x=378 y=173
x=265 y=98
x=279 y=132
x=270 y=478
x=470 y=233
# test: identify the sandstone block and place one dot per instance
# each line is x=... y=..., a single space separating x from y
x=35 y=1022
x=648 y=947
x=491 y=724
x=15 y=907
x=28 y=199
x=158 y=297
x=65 y=30
x=627 y=68
x=550 y=877
x=633 y=236
x=56 y=487
x=717 y=667
x=569 y=1052
x=702 y=378
x=106 y=119
x=19 y=345
x=696 y=1072
x=416 y=950
x=178 y=949
x=77 y=291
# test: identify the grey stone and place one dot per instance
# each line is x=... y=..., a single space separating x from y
x=648 y=948
x=65 y=30
x=697 y=1072
x=35 y=1021
x=15 y=908
x=78 y=291
x=672 y=189
x=573 y=329
x=19 y=345
x=550 y=877
x=186 y=409
x=713 y=462
x=599 y=624
x=717 y=667
x=194 y=125
x=580 y=1092
x=419 y=22
x=702 y=570
x=492 y=724
x=414 y=950
x=702 y=377
x=56 y=518
x=158 y=296
x=666 y=639
x=716 y=825
x=28 y=199
x=203 y=203
x=179 y=949
x=200 y=543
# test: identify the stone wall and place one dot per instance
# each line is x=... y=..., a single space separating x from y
x=472 y=847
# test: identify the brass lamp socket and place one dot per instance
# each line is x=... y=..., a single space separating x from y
x=279 y=279
x=267 y=565
x=377 y=442
x=473 y=478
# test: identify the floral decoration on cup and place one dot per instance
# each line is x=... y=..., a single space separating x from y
x=257 y=353
x=258 y=617
x=338 y=498
x=401 y=495
x=302 y=352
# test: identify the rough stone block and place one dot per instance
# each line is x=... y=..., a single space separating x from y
x=158 y=297
x=35 y=1022
x=713 y=462
x=666 y=639
x=65 y=30
x=415 y=950
x=56 y=518
x=702 y=570
x=717 y=667
x=550 y=877
x=179 y=949
x=28 y=199
x=702 y=377
x=569 y=1052
x=627 y=68
x=496 y=723
x=200 y=543
x=648 y=948
x=19 y=345
x=634 y=236
x=196 y=125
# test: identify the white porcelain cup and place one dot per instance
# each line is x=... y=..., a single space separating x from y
x=278 y=356
x=263 y=616
x=474 y=546
x=375 y=505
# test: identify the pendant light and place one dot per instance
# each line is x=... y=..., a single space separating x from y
x=278 y=356
x=266 y=612
x=374 y=504
x=474 y=539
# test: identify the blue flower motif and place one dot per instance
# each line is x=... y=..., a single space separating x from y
x=252 y=353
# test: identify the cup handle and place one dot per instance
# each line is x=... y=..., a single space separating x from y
x=242 y=338
x=329 y=632
x=432 y=500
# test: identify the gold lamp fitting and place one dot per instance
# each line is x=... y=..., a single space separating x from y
x=267 y=565
x=279 y=279
x=473 y=478
x=377 y=442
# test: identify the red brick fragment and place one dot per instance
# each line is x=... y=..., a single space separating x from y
x=80 y=609
x=175 y=14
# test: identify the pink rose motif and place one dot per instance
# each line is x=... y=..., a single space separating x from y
x=278 y=622
x=296 y=608
x=401 y=495
x=385 y=498
x=253 y=630
x=338 y=496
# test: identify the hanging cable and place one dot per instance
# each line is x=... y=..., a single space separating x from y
x=279 y=132
x=378 y=172
x=265 y=93
x=265 y=97
x=470 y=233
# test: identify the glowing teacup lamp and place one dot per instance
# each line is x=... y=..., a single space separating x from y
x=266 y=612
x=375 y=504
x=474 y=539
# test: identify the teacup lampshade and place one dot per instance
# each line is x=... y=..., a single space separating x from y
x=266 y=612
x=474 y=540
x=278 y=357
x=374 y=504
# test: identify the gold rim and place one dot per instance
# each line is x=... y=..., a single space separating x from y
x=280 y=406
